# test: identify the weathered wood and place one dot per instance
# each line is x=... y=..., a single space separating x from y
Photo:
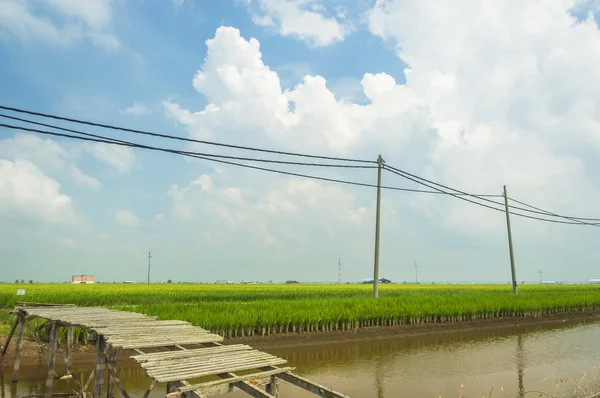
x=273 y=387
x=8 y=338
x=252 y=390
x=191 y=374
x=253 y=376
x=69 y=350
x=52 y=345
x=99 y=366
x=89 y=380
x=309 y=386
x=113 y=374
x=20 y=330
x=112 y=360
x=149 y=389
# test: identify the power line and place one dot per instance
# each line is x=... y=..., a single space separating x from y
x=542 y=211
x=416 y=179
x=172 y=137
x=106 y=140
x=190 y=152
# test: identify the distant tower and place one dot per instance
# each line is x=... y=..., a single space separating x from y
x=416 y=273
x=541 y=273
x=149 y=257
x=339 y=270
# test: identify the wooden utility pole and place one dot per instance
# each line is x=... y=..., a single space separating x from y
x=149 y=257
x=510 y=245
x=377 y=216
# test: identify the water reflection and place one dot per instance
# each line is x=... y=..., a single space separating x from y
x=417 y=366
x=520 y=365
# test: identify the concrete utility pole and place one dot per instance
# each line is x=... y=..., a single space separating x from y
x=149 y=257
x=540 y=272
x=510 y=245
x=416 y=273
x=339 y=270
x=377 y=214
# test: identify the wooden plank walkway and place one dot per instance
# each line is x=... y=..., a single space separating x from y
x=168 y=362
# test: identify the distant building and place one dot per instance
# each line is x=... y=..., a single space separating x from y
x=370 y=280
x=82 y=279
x=594 y=281
x=548 y=282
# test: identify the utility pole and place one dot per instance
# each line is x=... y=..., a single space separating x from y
x=416 y=273
x=377 y=214
x=339 y=270
x=510 y=245
x=149 y=257
x=541 y=272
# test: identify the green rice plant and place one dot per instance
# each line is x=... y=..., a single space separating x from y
x=247 y=310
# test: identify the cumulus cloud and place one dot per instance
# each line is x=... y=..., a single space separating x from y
x=283 y=212
x=126 y=218
x=26 y=190
x=48 y=155
x=302 y=19
x=136 y=109
x=69 y=22
x=118 y=157
x=481 y=107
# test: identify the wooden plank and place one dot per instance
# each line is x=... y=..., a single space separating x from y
x=112 y=359
x=69 y=349
x=253 y=376
x=20 y=330
x=211 y=359
x=8 y=338
x=317 y=389
x=52 y=345
x=252 y=390
x=99 y=366
x=166 y=355
x=118 y=382
x=273 y=387
x=149 y=389
x=190 y=374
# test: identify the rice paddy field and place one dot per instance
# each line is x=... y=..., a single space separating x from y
x=242 y=310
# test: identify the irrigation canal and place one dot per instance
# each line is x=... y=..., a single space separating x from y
x=511 y=361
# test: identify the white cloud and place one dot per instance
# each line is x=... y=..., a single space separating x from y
x=136 y=109
x=26 y=190
x=48 y=155
x=118 y=157
x=482 y=106
x=127 y=218
x=73 y=21
x=178 y=3
x=85 y=180
x=159 y=217
x=265 y=215
x=301 y=19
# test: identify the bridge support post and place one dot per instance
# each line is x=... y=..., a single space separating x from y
x=99 y=366
x=20 y=330
x=52 y=346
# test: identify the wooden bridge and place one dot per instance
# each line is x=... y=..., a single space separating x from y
x=190 y=360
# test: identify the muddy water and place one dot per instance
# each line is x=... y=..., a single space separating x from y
x=508 y=362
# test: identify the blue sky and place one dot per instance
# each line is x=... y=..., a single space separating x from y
x=461 y=101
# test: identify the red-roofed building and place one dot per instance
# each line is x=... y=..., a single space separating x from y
x=82 y=279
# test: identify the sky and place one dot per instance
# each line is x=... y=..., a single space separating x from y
x=474 y=95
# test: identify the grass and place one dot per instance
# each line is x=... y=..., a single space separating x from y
x=240 y=310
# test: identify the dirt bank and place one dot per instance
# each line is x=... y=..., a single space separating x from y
x=33 y=354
